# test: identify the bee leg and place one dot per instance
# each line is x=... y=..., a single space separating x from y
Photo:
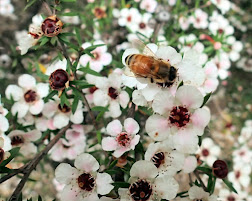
x=151 y=80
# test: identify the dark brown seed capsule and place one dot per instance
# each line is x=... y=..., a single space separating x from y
x=220 y=169
x=51 y=26
x=58 y=79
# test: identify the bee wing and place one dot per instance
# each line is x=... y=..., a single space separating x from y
x=138 y=44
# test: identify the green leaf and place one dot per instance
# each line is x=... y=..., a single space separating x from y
x=89 y=71
x=13 y=153
x=64 y=100
x=43 y=41
x=53 y=40
x=70 y=14
x=205 y=169
x=112 y=164
x=206 y=99
x=100 y=109
x=121 y=184
x=50 y=95
x=93 y=47
x=20 y=197
x=180 y=84
x=30 y=4
x=229 y=185
x=68 y=0
x=78 y=36
x=75 y=104
x=99 y=136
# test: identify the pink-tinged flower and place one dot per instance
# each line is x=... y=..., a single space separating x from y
x=121 y=140
x=4 y=123
x=184 y=22
x=235 y=47
x=147 y=185
x=25 y=41
x=127 y=17
x=223 y=64
x=24 y=141
x=197 y=193
x=109 y=92
x=148 y=5
x=3 y=153
x=62 y=115
x=240 y=176
x=209 y=151
x=7 y=142
x=242 y=155
x=180 y=116
x=83 y=182
x=27 y=96
x=101 y=56
x=167 y=160
x=72 y=146
x=220 y=25
x=223 y=5
x=199 y=19
x=226 y=195
x=211 y=80
x=6 y=8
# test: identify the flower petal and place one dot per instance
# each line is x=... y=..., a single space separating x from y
x=109 y=144
x=149 y=171
x=131 y=126
x=37 y=107
x=14 y=91
x=26 y=81
x=21 y=108
x=103 y=181
x=114 y=127
x=64 y=173
x=86 y=162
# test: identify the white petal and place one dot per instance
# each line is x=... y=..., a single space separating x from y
x=60 y=120
x=27 y=81
x=150 y=91
x=69 y=192
x=103 y=181
x=189 y=96
x=4 y=124
x=109 y=144
x=119 y=152
x=157 y=127
x=138 y=98
x=14 y=91
x=163 y=102
x=200 y=119
x=114 y=109
x=168 y=53
x=42 y=89
x=21 y=108
x=27 y=149
x=100 y=98
x=124 y=99
x=77 y=117
x=166 y=182
x=149 y=170
x=32 y=135
x=7 y=142
x=131 y=126
x=37 y=107
x=64 y=173
x=114 y=127
x=86 y=162
x=190 y=164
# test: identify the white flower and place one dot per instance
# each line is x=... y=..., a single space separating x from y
x=121 y=141
x=197 y=193
x=27 y=96
x=62 y=115
x=223 y=64
x=165 y=158
x=199 y=19
x=242 y=155
x=5 y=60
x=148 y=5
x=223 y=5
x=184 y=22
x=83 y=182
x=24 y=140
x=226 y=195
x=209 y=151
x=72 y=146
x=190 y=164
x=3 y=152
x=109 y=92
x=146 y=185
x=101 y=56
x=179 y=116
x=235 y=48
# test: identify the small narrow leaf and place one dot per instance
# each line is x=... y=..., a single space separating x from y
x=78 y=36
x=121 y=184
x=206 y=99
x=99 y=136
x=100 y=109
x=13 y=153
x=229 y=185
x=112 y=164
x=89 y=71
x=50 y=95
x=30 y=4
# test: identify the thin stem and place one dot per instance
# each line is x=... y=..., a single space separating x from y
x=34 y=162
x=201 y=182
x=157 y=28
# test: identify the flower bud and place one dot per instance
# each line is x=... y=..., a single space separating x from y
x=51 y=26
x=59 y=79
x=220 y=169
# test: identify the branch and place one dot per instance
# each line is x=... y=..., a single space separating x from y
x=157 y=28
x=199 y=179
x=34 y=162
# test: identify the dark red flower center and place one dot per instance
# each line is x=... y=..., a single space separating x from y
x=123 y=139
x=58 y=79
x=17 y=140
x=112 y=92
x=92 y=89
x=129 y=18
x=1 y=155
x=30 y=96
x=237 y=174
x=64 y=109
x=86 y=182
x=141 y=190
x=205 y=152
x=179 y=116
x=158 y=159
x=230 y=198
x=49 y=26
x=220 y=169
x=96 y=55
x=142 y=25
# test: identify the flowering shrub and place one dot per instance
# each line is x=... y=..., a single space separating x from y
x=122 y=100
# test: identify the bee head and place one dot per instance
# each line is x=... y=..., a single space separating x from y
x=173 y=73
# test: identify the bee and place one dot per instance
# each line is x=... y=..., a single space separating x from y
x=148 y=65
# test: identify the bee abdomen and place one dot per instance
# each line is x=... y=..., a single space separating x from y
x=129 y=58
